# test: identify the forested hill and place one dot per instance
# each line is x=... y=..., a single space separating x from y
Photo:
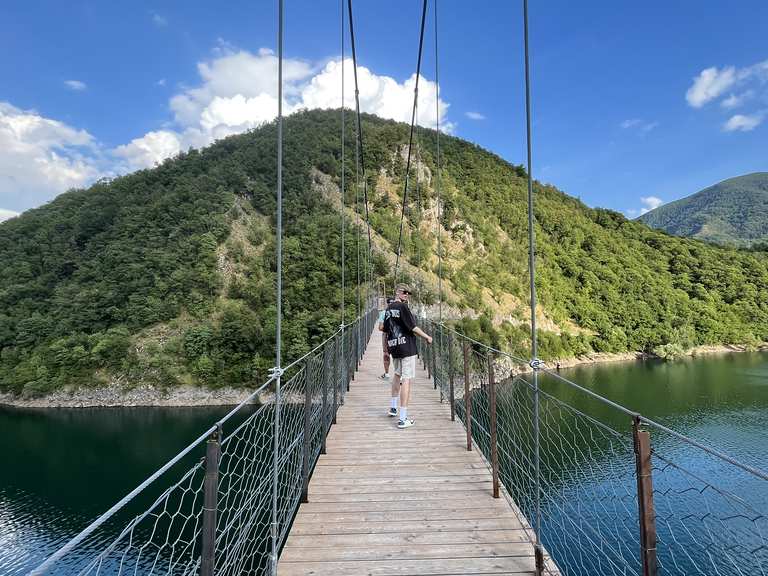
x=734 y=211
x=165 y=276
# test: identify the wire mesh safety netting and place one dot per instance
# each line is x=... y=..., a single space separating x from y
x=708 y=510
x=255 y=464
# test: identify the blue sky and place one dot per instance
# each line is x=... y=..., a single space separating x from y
x=634 y=103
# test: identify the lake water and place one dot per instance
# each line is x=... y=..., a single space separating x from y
x=61 y=468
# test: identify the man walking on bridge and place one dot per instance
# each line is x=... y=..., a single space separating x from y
x=400 y=328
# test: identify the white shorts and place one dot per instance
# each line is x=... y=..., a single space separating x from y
x=405 y=367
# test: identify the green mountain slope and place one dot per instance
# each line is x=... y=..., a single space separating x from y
x=166 y=276
x=734 y=211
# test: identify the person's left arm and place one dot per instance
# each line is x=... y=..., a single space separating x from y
x=419 y=332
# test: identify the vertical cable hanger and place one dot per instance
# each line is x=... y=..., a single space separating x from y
x=360 y=149
x=438 y=209
x=535 y=362
x=277 y=371
x=410 y=138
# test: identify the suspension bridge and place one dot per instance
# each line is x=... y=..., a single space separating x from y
x=510 y=469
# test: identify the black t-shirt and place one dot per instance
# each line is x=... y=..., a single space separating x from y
x=399 y=324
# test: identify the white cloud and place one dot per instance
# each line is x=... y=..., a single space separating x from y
x=639 y=125
x=742 y=85
x=158 y=20
x=743 y=122
x=475 y=116
x=41 y=157
x=238 y=92
x=6 y=214
x=150 y=149
x=160 y=82
x=736 y=100
x=710 y=84
x=75 y=85
x=649 y=203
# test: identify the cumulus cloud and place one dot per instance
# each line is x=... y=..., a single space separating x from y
x=238 y=92
x=41 y=157
x=6 y=214
x=710 y=84
x=75 y=85
x=743 y=122
x=475 y=116
x=649 y=203
x=149 y=149
x=736 y=100
x=742 y=85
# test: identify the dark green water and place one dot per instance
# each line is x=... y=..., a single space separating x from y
x=62 y=468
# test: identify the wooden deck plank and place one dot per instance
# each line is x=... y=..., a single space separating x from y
x=389 y=502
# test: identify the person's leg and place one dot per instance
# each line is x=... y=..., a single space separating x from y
x=395 y=389
x=407 y=373
x=405 y=396
x=385 y=354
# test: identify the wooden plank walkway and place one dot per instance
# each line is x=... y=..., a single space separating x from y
x=385 y=501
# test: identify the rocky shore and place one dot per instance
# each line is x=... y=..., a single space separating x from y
x=115 y=395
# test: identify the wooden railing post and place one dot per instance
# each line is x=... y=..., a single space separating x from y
x=642 y=441
x=450 y=378
x=494 y=439
x=307 y=432
x=210 y=504
x=467 y=395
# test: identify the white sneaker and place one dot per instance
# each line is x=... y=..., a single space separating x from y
x=392 y=412
x=384 y=377
x=407 y=423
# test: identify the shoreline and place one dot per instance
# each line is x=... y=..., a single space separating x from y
x=115 y=396
x=607 y=357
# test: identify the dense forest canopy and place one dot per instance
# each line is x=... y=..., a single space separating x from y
x=166 y=276
x=733 y=212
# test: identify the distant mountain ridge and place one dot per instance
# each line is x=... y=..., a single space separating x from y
x=734 y=211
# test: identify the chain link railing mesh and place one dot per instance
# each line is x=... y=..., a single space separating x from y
x=588 y=475
x=166 y=537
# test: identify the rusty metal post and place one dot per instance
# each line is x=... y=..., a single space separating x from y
x=332 y=364
x=450 y=378
x=308 y=431
x=467 y=396
x=494 y=438
x=330 y=370
x=210 y=504
x=642 y=441
x=433 y=356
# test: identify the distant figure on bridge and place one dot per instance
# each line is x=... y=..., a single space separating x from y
x=400 y=328
x=384 y=346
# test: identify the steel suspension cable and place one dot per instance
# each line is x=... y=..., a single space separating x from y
x=361 y=157
x=532 y=278
x=279 y=271
x=410 y=137
x=343 y=192
x=438 y=210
